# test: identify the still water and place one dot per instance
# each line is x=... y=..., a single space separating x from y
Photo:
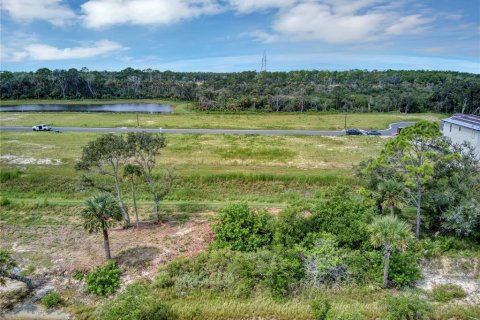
x=123 y=107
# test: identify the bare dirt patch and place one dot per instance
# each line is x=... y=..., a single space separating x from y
x=60 y=250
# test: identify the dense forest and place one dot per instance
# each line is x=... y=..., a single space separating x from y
x=355 y=90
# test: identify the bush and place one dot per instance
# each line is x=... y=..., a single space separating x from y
x=322 y=259
x=342 y=214
x=5 y=202
x=447 y=292
x=78 y=275
x=137 y=302
x=51 y=299
x=356 y=270
x=320 y=309
x=404 y=269
x=103 y=280
x=284 y=271
x=406 y=307
x=290 y=228
x=243 y=230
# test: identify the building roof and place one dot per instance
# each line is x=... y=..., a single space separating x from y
x=465 y=120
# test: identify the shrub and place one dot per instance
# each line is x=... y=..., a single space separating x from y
x=137 y=302
x=322 y=259
x=242 y=230
x=78 y=275
x=320 y=309
x=342 y=214
x=284 y=271
x=163 y=280
x=406 y=307
x=356 y=270
x=7 y=263
x=447 y=292
x=404 y=269
x=290 y=228
x=103 y=280
x=5 y=202
x=51 y=299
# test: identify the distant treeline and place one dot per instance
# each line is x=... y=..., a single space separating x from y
x=355 y=90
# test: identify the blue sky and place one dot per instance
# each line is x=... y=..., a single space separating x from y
x=231 y=35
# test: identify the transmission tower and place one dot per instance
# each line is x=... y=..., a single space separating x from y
x=264 y=62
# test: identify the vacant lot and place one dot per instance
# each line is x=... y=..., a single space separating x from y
x=183 y=118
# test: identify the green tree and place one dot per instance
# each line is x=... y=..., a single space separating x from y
x=99 y=214
x=106 y=154
x=131 y=172
x=145 y=147
x=413 y=153
x=392 y=194
x=389 y=233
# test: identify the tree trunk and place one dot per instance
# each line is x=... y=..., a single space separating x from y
x=155 y=201
x=392 y=209
x=134 y=196
x=419 y=205
x=120 y=201
x=386 y=267
x=106 y=244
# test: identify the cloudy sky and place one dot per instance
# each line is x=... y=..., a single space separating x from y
x=231 y=35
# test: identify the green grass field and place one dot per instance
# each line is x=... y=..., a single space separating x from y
x=41 y=200
x=211 y=167
x=185 y=116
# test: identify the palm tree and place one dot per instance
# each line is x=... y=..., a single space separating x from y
x=130 y=172
x=390 y=233
x=393 y=193
x=99 y=213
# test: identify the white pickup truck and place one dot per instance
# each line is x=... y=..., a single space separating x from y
x=41 y=127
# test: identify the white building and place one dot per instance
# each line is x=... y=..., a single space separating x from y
x=463 y=127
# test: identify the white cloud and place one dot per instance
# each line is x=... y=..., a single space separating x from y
x=262 y=36
x=52 y=11
x=335 y=21
x=106 y=13
x=315 y=21
x=412 y=24
x=42 y=52
x=248 y=6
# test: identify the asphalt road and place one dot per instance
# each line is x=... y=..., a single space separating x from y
x=386 y=132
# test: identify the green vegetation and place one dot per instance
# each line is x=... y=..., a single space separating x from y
x=354 y=90
x=290 y=121
x=105 y=280
x=249 y=226
x=407 y=307
x=7 y=263
x=100 y=212
x=51 y=300
x=447 y=292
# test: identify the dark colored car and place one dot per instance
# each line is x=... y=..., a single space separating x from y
x=373 y=133
x=354 y=132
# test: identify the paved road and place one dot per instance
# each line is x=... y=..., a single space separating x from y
x=387 y=132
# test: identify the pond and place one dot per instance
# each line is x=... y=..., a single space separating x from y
x=121 y=107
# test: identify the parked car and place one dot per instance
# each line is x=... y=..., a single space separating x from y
x=41 y=127
x=373 y=133
x=354 y=132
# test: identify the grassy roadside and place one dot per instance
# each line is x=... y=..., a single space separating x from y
x=185 y=116
x=183 y=119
